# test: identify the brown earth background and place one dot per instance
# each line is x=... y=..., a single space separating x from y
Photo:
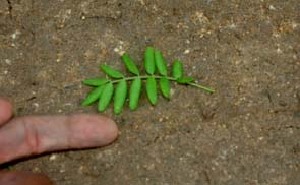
x=248 y=132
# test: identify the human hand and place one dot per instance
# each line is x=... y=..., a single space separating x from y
x=32 y=135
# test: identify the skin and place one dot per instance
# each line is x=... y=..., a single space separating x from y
x=32 y=135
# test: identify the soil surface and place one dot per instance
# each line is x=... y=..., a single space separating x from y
x=248 y=132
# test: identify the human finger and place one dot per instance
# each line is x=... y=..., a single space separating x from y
x=32 y=135
x=23 y=178
x=5 y=111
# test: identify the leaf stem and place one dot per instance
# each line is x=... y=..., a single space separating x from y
x=208 y=89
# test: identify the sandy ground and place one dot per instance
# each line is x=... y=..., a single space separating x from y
x=248 y=132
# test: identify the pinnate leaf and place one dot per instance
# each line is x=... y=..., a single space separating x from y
x=151 y=90
x=134 y=93
x=120 y=96
x=95 y=81
x=165 y=87
x=177 y=70
x=130 y=65
x=93 y=96
x=111 y=72
x=104 y=87
x=149 y=61
x=106 y=97
x=185 y=80
x=160 y=63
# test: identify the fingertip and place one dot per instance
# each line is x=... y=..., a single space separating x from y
x=112 y=130
x=5 y=110
x=106 y=129
x=92 y=131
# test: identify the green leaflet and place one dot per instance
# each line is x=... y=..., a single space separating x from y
x=177 y=70
x=120 y=96
x=151 y=90
x=111 y=72
x=185 y=80
x=95 y=81
x=130 y=65
x=134 y=93
x=106 y=97
x=149 y=61
x=93 y=96
x=165 y=87
x=160 y=63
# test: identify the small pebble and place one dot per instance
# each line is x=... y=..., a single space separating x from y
x=279 y=51
x=7 y=61
x=36 y=105
x=172 y=92
x=187 y=51
x=271 y=7
x=52 y=158
x=14 y=35
x=119 y=49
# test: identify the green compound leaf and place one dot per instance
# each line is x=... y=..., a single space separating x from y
x=93 y=96
x=130 y=65
x=151 y=90
x=106 y=97
x=134 y=93
x=111 y=72
x=104 y=87
x=177 y=70
x=120 y=96
x=165 y=87
x=160 y=63
x=185 y=80
x=95 y=81
x=149 y=61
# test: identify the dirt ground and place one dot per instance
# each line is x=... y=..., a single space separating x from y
x=248 y=132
